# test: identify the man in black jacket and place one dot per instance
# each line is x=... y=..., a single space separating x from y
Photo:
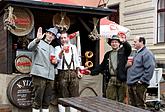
x=114 y=69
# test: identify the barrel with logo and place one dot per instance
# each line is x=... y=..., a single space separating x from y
x=19 y=91
x=23 y=64
x=19 y=21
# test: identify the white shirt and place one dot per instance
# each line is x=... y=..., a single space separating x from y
x=68 y=57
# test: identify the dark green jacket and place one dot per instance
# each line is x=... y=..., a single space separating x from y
x=123 y=54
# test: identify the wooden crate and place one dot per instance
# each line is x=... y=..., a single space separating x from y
x=162 y=88
x=5 y=108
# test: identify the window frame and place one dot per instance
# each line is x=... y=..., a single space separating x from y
x=160 y=10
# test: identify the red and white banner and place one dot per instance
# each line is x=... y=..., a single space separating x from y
x=75 y=39
x=109 y=28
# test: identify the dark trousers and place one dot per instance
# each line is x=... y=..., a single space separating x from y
x=68 y=84
x=116 y=91
x=42 y=90
x=137 y=95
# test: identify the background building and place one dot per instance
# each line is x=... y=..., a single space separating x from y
x=143 y=17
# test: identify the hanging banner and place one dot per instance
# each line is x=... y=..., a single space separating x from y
x=75 y=39
x=109 y=28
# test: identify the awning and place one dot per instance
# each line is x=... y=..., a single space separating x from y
x=93 y=11
x=69 y=2
x=91 y=3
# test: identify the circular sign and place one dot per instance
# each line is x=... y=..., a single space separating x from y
x=23 y=64
x=22 y=20
x=19 y=91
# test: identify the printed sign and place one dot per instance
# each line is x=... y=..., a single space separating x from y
x=19 y=21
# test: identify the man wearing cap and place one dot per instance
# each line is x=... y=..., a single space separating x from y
x=42 y=70
x=113 y=68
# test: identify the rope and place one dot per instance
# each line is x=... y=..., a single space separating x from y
x=63 y=26
x=94 y=34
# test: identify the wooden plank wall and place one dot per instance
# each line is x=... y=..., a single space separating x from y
x=6 y=60
x=139 y=17
x=3 y=47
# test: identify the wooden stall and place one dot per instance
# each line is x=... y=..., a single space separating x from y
x=27 y=16
x=19 y=20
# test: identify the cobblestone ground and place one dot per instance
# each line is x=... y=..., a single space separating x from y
x=162 y=108
x=151 y=105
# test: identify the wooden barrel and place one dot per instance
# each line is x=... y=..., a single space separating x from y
x=19 y=91
x=23 y=64
x=23 y=21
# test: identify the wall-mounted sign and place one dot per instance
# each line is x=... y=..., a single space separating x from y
x=19 y=91
x=23 y=63
x=19 y=21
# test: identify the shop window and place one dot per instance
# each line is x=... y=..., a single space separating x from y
x=161 y=21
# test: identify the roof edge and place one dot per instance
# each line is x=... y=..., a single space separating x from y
x=57 y=7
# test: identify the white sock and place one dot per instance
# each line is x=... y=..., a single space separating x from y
x=45 y=110
x=61 y=108
x=35 y=110
x=73 y=109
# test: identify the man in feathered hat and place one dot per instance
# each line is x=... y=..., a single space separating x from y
x=113 y=68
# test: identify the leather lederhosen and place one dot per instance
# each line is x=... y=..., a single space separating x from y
x=68 y=80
